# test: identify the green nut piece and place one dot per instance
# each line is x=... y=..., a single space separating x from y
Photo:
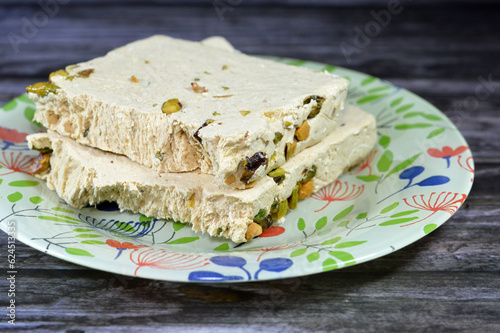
x=60 y=72
x=316 y=109
x=44 y=150
x=42 y=89
x=308 y=174
x=266 y=222
x=260 y=215
x=277 y=137
x=290 y=150
x=244 y=112
x=171 y=106
x=278 y=175
x=282 y=209
x=294 y=198
x=159 y=155
x=275 y=206
x=273 y=158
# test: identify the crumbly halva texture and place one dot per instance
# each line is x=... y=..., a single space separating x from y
x=218 y=41
x=177 y=106
x=83 y=175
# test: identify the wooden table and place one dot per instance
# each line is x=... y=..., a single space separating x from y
x=448 y=281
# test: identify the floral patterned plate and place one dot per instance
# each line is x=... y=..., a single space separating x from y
x=417 y=177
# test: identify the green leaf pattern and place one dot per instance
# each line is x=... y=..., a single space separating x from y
x=343 y=213
x=385 y=161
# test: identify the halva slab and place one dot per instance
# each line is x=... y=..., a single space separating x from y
x=83 y=176
x=175 y=106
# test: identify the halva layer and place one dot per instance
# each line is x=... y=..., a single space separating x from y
x=177 y=106
x=83 y=175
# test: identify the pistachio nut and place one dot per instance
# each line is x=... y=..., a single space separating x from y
x=42 y=89
x=308 y=174
x=171 y=106
x=306 y=189
x=290 y=150
x=277 y=175
x=294 y=198
x=302 y=132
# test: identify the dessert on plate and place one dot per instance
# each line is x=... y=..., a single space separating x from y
x=195 y=132
x=178 y=106
x=83 y=176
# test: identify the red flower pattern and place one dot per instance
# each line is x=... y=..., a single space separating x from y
x=163 y=259
x=272 y=232
x=11 y=137
x=125 y=245
x=264 y=250
x=16 y=163
x=444 y=202
x=340 y=191
x=366 y=164
x=446 y=152
x=122 y=246
x=467 y=165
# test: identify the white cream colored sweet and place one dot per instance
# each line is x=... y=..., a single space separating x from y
x=218 y=41
x=82 y=175
x=110 y=111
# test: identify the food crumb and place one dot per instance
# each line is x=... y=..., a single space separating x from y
x=197 y=88
x=85 y=73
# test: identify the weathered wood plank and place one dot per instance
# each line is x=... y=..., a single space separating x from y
x=412 y=52
x=284 y=3
x=337 y=298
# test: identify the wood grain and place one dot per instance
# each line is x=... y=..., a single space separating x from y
x=423 y=50
x=446 y=282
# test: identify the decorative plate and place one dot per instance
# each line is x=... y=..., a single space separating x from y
x=416 y=178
